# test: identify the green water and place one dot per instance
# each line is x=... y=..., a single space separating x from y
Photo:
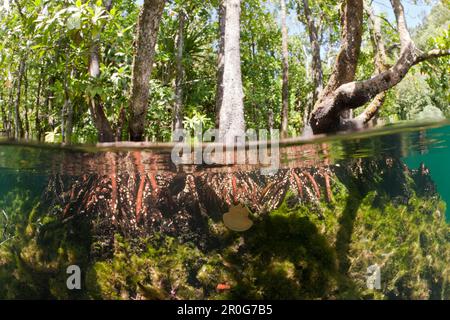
x=140 y=227
x=437 y=159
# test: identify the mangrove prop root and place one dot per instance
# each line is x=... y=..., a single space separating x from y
x=180 y=203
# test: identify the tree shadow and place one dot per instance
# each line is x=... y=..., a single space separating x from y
x=344 y=238
x=283 y=257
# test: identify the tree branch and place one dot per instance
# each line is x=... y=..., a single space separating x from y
x=381 y=65
x=351 y=37
x=432 y=54
x=405 y=36
x=326 y=117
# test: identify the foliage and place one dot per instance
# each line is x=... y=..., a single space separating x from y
x=54 y=40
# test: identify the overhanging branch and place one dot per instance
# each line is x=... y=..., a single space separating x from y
x=351 y=95
x=432 y=54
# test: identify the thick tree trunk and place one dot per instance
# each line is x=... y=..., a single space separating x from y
x=316 y=61
x=285 y=57
x=231 y=123
x=340 y=94
x=177 y=122
x=220 y=60
x=147 y=34
x=351 y=37
x=104 y=129
x=105 y=132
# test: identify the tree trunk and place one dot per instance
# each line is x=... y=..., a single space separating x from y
x=231 y=123
x=147 y=34
x=9 y=123
x=316 y=61
x=285 y=88
x=17 y=121
x=270 y=119
x=351 y=37
x=220 y=60
x=27 y=122
x=177 y=122
x=3 y=111
x=380 y=66
x=37 y=107
x=70 y=113
x=63 y=119
x=69 y=122
x=48 y=104
x=68 y=110
x=105 y=131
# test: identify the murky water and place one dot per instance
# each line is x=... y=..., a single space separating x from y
x=358 y=215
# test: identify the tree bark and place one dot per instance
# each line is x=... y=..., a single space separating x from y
x=270 y=119
x=69 y=123
x=147 y=33
x=68 y=109
x=9 y=127
x=37 y=121
x=380 y=66
x=50 y=96
x=231 y=123
x=103 y=126
x=3 y=111
x=340 y=94
x=220 y=60
x=316 y=61
x=351 y=37
x=177 y=122
x=285 y=58
x=17 y=121
x=27 y=122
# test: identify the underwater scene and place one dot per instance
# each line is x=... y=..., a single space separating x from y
x=353 y=216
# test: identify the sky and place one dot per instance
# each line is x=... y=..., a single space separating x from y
x=414 y=12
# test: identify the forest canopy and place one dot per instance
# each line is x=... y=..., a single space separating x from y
x=77 y=71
